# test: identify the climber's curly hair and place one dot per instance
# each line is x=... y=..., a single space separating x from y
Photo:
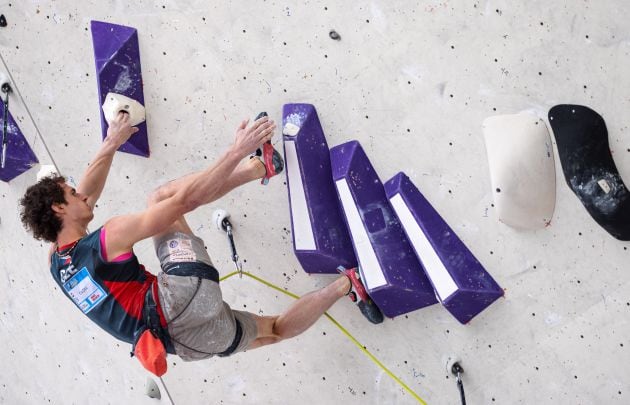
x=36 y=211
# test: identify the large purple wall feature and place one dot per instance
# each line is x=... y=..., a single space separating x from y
x=389 y=268
x=462 y=284
x=20 y=157
x=320 y=238
x=117 y=58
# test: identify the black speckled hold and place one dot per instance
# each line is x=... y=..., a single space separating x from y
x=334 y=35
x=3 y=21
x=589 y=168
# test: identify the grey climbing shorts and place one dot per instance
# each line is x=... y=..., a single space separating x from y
x=178 y=247
x=200 y=324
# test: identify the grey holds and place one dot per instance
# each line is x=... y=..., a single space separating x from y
x=152 y=390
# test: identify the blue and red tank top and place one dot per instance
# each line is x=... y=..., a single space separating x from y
x=112 y=293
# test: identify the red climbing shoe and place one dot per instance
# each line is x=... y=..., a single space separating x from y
x=274 y=164
x=359 y=296
x=271 y=158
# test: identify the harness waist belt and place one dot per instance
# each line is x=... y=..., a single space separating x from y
x=192 y=269
x=201 y=271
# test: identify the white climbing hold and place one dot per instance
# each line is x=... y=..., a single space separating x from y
x=152 y=389
x=522 y=171
x=449 y=361
x=217 y=218
x=115 y=103
x=290 y=129
x=3 y=79
x=46 y=170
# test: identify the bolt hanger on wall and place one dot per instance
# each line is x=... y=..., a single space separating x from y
x=454 y=367
x=222 y=222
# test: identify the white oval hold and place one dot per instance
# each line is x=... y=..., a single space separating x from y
x=115 y=103
x=522 y=171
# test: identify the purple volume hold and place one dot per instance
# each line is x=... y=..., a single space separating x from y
x=320 y=238
x=462 y=284
x=117 y=57
x=390 y=270
x=19 y=156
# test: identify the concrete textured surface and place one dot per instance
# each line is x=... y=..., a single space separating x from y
x=412 y=81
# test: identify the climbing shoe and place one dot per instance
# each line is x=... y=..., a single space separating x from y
x=271 y=158
x=359 y=296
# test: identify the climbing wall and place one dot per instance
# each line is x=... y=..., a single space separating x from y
x=413 y=84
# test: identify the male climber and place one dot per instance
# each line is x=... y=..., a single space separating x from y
x=183 y=305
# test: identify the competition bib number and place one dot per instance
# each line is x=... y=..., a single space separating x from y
x=84 y=291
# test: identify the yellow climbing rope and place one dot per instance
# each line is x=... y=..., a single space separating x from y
x=343 y=330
